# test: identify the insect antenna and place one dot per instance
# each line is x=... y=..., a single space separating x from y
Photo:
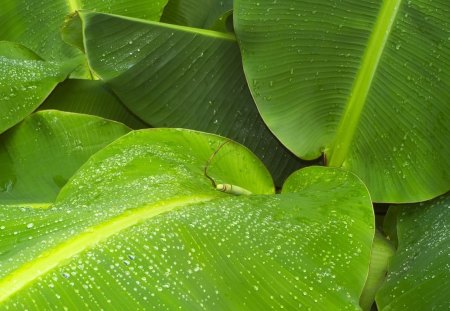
x=208 y=163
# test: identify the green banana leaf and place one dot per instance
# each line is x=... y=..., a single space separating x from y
x=364 y=82
x=37 y=24
x=195 y=13
x=90 y=97
x=25 y=81
x=174 y=76
x=140 y=226
x=419 y=274
x=39 y=155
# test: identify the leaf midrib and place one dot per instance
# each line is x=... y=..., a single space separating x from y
x=363 y=82
x=34 y=205
x=51 y=259
x=195 y=31
x=74 y=5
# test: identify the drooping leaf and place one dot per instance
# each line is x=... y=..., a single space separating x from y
x=139 y=226
x=39 y=155
x=37 y=24
x=195 y=13
x=173 y=76
x=365 y=82
x=419 y=274
x=25 y=81
x=90 y=97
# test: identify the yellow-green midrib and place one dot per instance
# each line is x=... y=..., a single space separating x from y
x=62 y=253
x=359 y=92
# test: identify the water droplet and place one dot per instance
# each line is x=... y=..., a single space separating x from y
x=65 y=275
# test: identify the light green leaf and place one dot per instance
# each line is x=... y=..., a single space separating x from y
x=39 y=155
x=173 y=76
x=364 y=82
x=90 y=97
x=195 y=13
x=139 y=226
x=25 y=81
x=419 y=273
x=37 y=24
x=382 y=251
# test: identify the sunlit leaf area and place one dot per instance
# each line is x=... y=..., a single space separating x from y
x=225 y=155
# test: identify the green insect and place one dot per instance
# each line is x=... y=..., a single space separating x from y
x=227 y=188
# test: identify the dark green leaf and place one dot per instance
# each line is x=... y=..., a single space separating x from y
x=90 y=97
x=419 y=274
x=173 y=76
x=195 y=13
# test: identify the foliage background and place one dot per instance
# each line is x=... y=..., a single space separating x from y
x=88 y=171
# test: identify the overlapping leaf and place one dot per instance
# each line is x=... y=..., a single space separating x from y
x=419 y=274
x=140 y=226
x=173 y=76
x=90 y=97
x=366 y=83
x=25 y=81
x=38 y=156
x=37 y=24
x=195 y=13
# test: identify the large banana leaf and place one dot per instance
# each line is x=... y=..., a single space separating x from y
x=25 y=81
x=37 y=24
x=364 y=82
x=39 y=155
x=139 y=226
x=195 y=13
x=90 y=97
x=174 y=76
x=419 y=274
